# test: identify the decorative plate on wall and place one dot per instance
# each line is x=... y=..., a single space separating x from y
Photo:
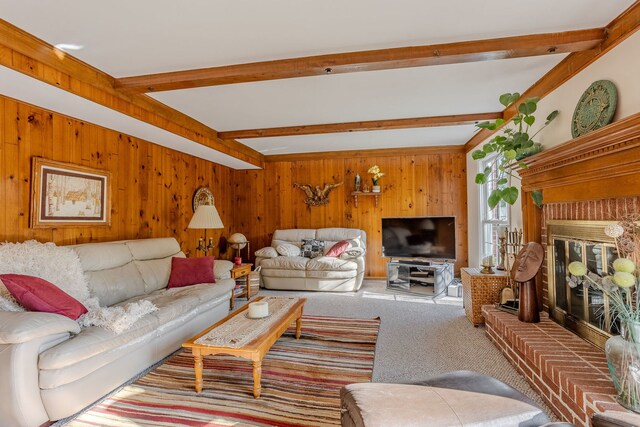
x=202 y=196
x=595 y=109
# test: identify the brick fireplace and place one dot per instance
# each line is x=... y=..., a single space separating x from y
x=588 y=210
x=591 y=178
x=575 y=232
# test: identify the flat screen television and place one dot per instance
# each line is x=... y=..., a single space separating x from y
x=430 y=237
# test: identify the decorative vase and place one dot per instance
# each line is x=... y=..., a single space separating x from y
x=376 y=189
x=623 y=359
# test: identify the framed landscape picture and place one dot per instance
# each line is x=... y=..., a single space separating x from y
x=67 y=195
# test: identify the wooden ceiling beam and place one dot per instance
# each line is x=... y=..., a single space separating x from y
x=371 y=60
x=25 y=53
x=367 y=153
x=417 y=122
x=627 y=23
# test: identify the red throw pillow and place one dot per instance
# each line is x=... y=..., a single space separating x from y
x=191 y=271
x=339 y=248
x=37 y=294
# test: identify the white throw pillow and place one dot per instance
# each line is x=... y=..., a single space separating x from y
x=7 y=302
x=353 y=253
x=287 y=249
x=268 y=252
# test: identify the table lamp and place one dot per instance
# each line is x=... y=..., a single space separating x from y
x=205 y=218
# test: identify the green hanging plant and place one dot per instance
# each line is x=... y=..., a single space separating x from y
x=511 y=146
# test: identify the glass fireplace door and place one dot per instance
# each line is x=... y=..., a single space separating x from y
x=582 y=303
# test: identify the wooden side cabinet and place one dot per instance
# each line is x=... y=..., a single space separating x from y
x=479 y=289
x=242 y=271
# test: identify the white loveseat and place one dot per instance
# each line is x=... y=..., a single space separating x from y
x=50 y=368
x=336 y=274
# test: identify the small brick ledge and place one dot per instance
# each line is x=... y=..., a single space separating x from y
x=570 y=374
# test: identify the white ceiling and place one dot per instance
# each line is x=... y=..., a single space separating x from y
x=388 y=94
x=125 y=38
x=128 y=37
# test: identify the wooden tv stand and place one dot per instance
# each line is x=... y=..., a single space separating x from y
x=427 y=278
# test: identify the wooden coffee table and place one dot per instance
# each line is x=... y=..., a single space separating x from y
x=254 y=350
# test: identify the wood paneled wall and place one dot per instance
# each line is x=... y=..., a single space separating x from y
x=152 y=186
x=432 y=183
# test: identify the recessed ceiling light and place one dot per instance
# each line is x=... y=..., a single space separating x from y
x=69 y=46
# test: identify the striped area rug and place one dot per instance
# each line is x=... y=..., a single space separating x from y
x=301 y=380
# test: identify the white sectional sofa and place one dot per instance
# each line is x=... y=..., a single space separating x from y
x=341 y=274
x=51 y=368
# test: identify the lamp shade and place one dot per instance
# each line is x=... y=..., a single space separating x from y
x=206 y=217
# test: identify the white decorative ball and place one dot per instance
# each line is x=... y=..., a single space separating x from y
x=614 y=230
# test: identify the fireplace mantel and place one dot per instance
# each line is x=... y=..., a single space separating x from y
x=598 y=165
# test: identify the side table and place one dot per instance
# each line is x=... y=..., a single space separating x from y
x=239 y=272
x=479 y=289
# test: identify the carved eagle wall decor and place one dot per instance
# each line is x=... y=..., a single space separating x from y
x=317 y=196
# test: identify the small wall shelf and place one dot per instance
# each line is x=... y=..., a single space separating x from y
x=356 y=194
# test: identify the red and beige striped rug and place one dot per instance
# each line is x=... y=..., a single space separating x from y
x=301 y=380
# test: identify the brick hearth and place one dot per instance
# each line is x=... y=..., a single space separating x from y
x=569 y=373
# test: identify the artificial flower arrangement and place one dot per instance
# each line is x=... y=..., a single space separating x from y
x=623 y=352
x=375 y=171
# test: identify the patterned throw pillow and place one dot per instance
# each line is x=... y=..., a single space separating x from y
x=312 y=248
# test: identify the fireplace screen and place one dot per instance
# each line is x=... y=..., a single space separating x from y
x=579 y=307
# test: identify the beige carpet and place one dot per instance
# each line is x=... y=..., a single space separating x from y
x=419 y=337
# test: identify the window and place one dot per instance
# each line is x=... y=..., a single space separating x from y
x=491 y=219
